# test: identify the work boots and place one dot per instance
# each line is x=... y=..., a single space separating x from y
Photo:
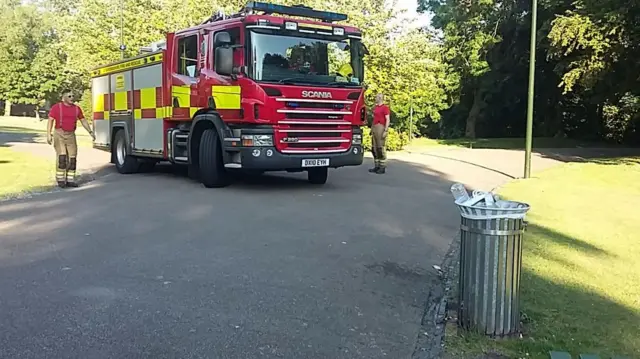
x=374 y=169
x=378 y=170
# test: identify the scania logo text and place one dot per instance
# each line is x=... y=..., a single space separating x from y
x=316 y=94
x=290 y=139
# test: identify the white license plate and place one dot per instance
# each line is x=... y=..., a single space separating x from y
x=315 y=162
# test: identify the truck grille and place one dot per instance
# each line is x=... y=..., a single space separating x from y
x=314 y=126
x=305 y=138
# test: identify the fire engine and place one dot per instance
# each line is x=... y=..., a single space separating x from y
x=271 y=88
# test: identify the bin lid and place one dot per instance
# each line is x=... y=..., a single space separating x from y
x=483 y=205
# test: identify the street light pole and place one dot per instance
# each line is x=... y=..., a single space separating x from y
x=532 y=75
x=123 y=47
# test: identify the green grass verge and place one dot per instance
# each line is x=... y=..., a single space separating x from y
x=581 y=267
x=501 y=143
x=22 y=173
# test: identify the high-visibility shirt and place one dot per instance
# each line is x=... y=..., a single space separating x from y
x=380 y=113
x=66 y=116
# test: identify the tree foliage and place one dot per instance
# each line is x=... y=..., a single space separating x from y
x=32 y=62
x=470 y=80
x=586 y=69
x=404 y=65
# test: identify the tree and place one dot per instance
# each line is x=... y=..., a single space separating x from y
x=31 y=62
x=470 y=30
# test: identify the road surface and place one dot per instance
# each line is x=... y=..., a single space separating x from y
x=156 y=266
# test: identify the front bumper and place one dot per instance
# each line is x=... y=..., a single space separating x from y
x=269 y=159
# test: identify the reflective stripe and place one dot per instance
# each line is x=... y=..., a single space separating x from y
x=183 y=94
x=98 y=103
x=100 y=98
x=148 y=97
x=128 y=65
x=121 y=101
x=226 y=97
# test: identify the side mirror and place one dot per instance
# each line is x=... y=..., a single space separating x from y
x=224 y=61
x=222 y=39
x=363 y=50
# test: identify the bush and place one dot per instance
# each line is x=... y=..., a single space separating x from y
x=395 y=140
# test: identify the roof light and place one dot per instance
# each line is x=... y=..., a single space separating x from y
x=290 y=25
x=302 y=11
x=338 y=31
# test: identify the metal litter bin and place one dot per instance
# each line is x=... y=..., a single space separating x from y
x=490 y=265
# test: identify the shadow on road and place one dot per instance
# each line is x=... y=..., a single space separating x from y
x=8 y=137
x=596 y=155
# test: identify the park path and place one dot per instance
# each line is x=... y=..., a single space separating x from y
x=486 y=169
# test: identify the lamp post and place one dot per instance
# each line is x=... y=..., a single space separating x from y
x=532 y=75
x=123 y=47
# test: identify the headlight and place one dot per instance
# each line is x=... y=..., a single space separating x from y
x=257 y=140
x=356 y=139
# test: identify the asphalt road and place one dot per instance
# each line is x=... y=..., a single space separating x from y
x=156 y=266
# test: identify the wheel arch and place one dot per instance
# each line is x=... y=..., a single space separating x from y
x=203 y=120
x=115 y=127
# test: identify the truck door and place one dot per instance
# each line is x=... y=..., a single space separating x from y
x=185 y=74
x=225 y=90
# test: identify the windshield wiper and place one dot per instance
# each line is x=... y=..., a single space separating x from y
x=341 y=84
x=290 y=81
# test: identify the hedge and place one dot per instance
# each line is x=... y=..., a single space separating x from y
x=395 y=141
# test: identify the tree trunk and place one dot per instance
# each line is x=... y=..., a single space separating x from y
x=7 y=108
x=474 y=113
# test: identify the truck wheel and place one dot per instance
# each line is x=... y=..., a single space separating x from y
x=318 y=175
x=125 y=163
x=212 y=171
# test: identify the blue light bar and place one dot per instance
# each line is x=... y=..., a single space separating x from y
x=300 y=11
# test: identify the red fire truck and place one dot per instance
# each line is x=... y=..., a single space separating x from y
x=248 y=92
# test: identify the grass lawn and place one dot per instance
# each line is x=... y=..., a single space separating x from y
x=501 y=143
x=21 y=172
x=581 y=266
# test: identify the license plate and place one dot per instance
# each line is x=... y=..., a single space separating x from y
x=315 y=162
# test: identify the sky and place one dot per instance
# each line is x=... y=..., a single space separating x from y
x=417 y=19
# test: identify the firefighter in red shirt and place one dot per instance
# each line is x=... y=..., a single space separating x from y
x=379 y=130
x=65 y=115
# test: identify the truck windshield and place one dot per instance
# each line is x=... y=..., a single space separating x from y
x=301 y=60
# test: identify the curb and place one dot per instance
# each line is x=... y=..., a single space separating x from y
x=430 y=340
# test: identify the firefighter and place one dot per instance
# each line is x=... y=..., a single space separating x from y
x=379 y=130
x=61 y=130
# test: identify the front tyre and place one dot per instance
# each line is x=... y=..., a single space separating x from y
x=125 y=163
x=212 y=171
x=318 y=175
